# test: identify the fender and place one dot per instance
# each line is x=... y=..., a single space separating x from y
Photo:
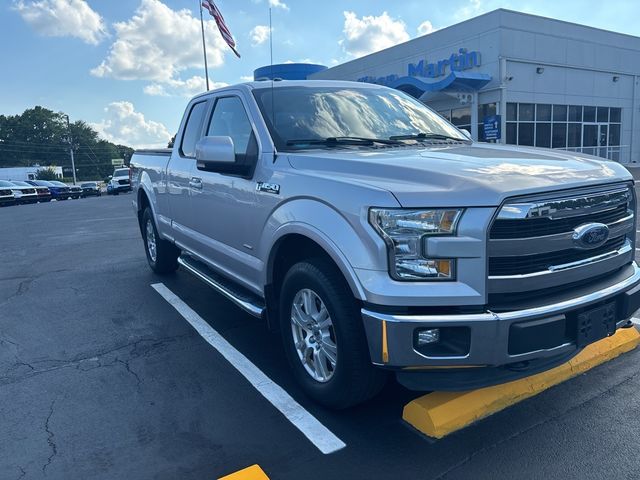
x=163 y=223
x=345 y=245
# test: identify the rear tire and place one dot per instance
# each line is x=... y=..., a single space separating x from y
x=162 y=255
x=351 y=379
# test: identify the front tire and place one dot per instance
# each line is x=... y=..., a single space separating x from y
x=323 y=336
x=162 y=255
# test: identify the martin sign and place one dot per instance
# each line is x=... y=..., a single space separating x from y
x=463 y=60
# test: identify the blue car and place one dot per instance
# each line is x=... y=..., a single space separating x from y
x=59 y=191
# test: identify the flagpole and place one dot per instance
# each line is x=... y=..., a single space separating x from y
x=204 y=47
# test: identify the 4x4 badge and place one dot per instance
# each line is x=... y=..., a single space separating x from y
x=268 y=187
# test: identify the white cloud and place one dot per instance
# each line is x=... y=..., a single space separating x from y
x=158 y=43
x=63 y=18
x=275 y=4
x=246 y=78
x=259 y=34
x=425 y=28
x=183 y=88
x=472 y=9
x=370 y=34
x=278 y=4
x=123 y=125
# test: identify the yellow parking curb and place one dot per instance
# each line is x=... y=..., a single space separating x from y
x=254 y=472
x=440 y=413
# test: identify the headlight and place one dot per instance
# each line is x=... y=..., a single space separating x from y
x=403 y=231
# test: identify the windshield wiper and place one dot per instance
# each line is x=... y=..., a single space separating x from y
x=426 y=136
x=338 y=141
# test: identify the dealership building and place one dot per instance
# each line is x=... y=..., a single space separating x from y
x=521 y=79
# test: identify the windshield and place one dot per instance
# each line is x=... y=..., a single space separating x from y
x=88 y=185
x=317 y=113
x=124 y=172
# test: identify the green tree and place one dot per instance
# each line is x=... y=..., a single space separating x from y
x=40 y=136
x=46 y=174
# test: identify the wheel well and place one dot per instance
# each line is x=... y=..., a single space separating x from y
x=288 y=251
x=143 y=202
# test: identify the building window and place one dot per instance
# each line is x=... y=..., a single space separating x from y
x=460 y=117
x=588 y=129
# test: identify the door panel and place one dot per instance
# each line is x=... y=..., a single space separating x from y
x=179 y=178
x=225 y=204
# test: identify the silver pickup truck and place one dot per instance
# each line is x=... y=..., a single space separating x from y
x=379 y=238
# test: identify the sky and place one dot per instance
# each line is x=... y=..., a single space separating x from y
x=128 y=67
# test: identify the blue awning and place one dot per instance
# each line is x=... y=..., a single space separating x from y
x=456 y=81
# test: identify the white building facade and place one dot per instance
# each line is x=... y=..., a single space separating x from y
x=529 y=80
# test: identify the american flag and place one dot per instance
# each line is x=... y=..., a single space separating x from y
x=224 y=31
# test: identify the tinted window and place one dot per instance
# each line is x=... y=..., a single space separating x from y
x=559 y=113
x=575 y=113
x=559 y=135
x=614 y=135
x=543 y=134
x=525 y=134
x=616 y=114
x=229 y=119
x=512 y=133
x=512 y=109
x=525 y=112
x=543 y=113
x=589 y=114
x=192 y=131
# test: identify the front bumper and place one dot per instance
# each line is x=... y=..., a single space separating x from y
x=392 y=337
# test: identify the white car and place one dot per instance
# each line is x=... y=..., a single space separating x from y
x=24 y=194
x=120 y=182
x=6 y=194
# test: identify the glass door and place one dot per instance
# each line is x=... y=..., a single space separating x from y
x=595 y=139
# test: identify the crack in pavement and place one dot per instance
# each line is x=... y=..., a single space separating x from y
x=474 y=454
x=138 y=349
x=23 y=473
x=50 y=439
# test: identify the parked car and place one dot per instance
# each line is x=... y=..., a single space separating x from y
x=59 y=191
x=382 y=239
x=120 y=182
x=6 y=194
x=44 y=194
x=90 y=189
x=65 y=190
x=75 y=191
x=24 y=194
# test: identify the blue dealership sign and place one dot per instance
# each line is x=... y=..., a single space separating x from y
x=492 y=124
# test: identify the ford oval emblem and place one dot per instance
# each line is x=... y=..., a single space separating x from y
x=590 y=235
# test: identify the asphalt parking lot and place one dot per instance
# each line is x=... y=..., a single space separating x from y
x=100 y=378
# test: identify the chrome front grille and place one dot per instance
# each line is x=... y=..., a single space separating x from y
x=535 y=244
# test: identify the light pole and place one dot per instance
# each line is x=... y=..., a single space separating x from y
x=73 y=163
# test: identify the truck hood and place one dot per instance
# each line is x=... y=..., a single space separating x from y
x=461 y=175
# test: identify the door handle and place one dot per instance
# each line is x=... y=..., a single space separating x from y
x=195 y=182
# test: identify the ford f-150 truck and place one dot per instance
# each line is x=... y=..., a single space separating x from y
x=378 y=238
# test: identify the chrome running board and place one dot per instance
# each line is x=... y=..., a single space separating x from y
x=243 y=298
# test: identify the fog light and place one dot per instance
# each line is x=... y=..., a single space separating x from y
x=427 y=337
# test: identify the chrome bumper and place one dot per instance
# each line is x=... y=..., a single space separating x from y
x=391 y=337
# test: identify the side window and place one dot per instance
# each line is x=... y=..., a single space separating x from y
x=192 y=130
x=229 y=119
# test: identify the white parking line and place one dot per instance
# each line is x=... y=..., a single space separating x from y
x=310 y=427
